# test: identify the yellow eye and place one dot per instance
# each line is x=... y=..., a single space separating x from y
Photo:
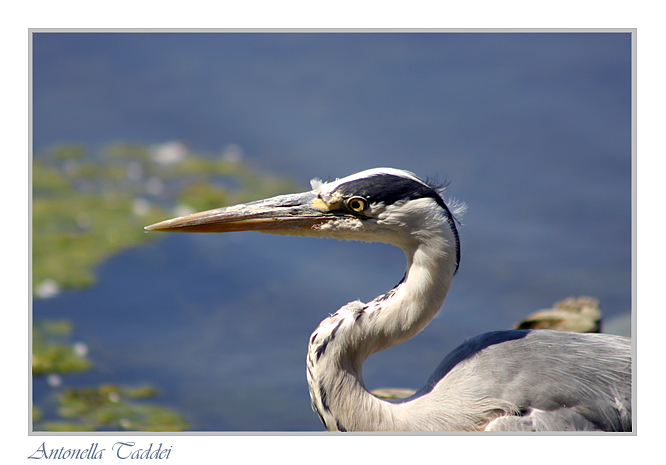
x=357 y=204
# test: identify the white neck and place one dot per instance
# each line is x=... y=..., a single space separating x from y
x=342 y=342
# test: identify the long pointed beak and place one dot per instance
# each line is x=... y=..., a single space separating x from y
x=283 y=214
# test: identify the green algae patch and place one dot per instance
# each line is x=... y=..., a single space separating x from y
x=88 y=207
x=109 y=407
x=53 y=353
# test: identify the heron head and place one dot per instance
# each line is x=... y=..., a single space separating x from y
x=377 y=205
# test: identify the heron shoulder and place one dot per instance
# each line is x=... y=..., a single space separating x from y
x=532 y=356
x=552 y=377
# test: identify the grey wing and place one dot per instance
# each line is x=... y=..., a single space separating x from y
x=557 y=381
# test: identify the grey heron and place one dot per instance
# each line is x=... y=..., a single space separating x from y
x=517 y=380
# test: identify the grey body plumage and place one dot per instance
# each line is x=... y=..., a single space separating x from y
x=531 y=380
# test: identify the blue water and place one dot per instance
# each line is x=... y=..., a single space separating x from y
x=532 y=130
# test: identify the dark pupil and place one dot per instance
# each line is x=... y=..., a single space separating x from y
x=356 y=205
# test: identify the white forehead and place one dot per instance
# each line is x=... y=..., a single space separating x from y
x=328 y=187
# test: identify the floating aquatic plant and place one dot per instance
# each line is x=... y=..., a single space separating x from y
x=88 y=207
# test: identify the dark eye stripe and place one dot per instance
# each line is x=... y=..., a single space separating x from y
x=388 y=189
